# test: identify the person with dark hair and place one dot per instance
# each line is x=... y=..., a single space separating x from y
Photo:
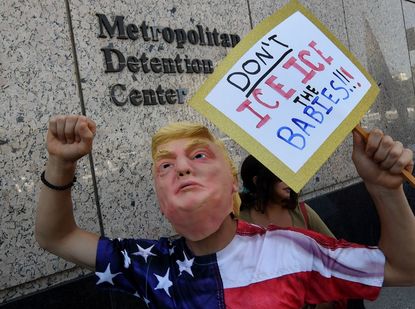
x=265 y=199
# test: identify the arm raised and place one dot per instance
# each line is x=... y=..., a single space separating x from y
x=69 y=138
x=380 y=162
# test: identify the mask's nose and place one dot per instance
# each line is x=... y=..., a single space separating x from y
x=183 y=167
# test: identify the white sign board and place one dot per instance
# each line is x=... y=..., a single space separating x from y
x=289 y=93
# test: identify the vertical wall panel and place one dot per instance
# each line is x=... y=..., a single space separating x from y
x=408 y=8
x=377 y=36
x=36 y=81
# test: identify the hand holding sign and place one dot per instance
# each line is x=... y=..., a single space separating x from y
x=405 y=173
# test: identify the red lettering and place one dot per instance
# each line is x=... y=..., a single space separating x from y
x=308 y=63
x=247 y=105
x=257 y=92
x=292 y=62
x=328 y=60
x=278 y=87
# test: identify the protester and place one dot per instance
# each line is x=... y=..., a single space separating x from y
x=265 y=200
x=220 y=261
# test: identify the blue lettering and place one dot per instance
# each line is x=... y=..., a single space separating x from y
x=311 y=112
x=302 y=125
x=294 y=139
x=315 y=101
x=339 y=88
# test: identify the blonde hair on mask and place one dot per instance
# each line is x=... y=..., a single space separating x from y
x=179 y=130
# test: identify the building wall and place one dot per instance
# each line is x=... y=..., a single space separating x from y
x=51 y=62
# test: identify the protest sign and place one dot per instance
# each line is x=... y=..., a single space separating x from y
x=289 y=93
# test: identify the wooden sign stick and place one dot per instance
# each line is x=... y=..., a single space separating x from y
x=407 y=175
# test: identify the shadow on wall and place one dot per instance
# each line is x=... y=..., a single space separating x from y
x=350 y=213
x=394 y=110
x=80 y=294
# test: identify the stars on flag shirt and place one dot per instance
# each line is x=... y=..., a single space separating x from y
x=260 y=268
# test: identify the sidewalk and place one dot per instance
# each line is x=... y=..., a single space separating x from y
x=394 y=298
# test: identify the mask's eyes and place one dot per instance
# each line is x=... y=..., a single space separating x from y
x=200 y=155
x=164 y=167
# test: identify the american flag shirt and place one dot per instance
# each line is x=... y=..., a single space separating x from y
x=260 y=268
